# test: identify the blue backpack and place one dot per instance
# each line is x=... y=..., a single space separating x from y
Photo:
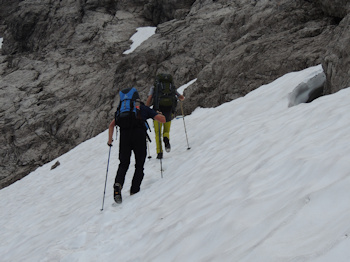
x=128 y=113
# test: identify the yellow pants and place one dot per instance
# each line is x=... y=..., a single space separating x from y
x=166 y=131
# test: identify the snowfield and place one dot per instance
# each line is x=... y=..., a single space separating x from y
x=261 y=182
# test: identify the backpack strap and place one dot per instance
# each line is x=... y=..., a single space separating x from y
x=156 y=95
x=149 y=139
x=146 y=128
x=116 y=114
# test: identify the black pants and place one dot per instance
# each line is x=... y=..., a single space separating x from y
x=132 y=140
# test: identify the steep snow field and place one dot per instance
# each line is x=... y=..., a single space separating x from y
x=261 y=182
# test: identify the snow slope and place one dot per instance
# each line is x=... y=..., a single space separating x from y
x=262 y=182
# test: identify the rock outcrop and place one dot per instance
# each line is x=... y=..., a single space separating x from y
x=62 y=62
x=307 y=91
x=336 y=61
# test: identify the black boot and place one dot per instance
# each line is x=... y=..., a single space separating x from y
x=117 y=193
x=133 y=192
x=167 y=144
x=160 y=156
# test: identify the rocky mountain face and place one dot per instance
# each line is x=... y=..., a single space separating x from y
x=62 y=62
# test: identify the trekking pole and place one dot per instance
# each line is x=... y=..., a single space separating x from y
x=161 y=149
x=183 y=118
x=104 y=192
x=149 y=154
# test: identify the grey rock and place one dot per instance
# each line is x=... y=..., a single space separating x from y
x=337 y=58
x=307 y=91
x=62 y=62
x=55 y=165
x=160 y=11
x=335 y=8
x=56 y=84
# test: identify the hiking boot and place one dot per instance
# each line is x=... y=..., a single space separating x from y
x=117 y=193
x=133 y=192
x=160 y=156
x=167 y=144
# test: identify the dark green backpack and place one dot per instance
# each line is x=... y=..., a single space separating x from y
x=164 y=95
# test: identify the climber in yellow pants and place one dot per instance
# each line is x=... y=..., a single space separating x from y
x=163 y=96
x=164 y=135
